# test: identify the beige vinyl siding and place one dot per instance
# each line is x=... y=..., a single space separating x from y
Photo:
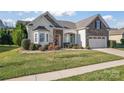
x=115 y=37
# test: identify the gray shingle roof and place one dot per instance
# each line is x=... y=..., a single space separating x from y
x=116 y=32
x=52 y=22
x=85 y=22
x=67 y=24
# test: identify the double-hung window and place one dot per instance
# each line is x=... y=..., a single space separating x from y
x=42 y=37
x=98 y=24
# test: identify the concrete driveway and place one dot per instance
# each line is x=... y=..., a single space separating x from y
x=112 y=51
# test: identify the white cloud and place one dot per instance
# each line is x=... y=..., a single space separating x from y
x=26 y=11
x=37 y=12
x=63 y=13
x=21 y=13
x=29 y=19
x=9 y=22
x=108 y=17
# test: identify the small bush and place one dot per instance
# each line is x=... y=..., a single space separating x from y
x=122 y=41
x=32 y=46
x=112 y=43
x=88 y=47
x=42 y=48
x=46 y=47
x=56 y=47
x=75 y=46
x=37 y=46
x=50 y=47
x=66 y=45
x=25 y=44
x=70 y=46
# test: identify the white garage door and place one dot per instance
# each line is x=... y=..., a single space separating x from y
x=98 y=41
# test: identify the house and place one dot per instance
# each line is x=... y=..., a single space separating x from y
x=92 y=31
x=116 y=34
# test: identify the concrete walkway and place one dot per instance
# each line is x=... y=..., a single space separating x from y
x=112 y=51
x=68 y=72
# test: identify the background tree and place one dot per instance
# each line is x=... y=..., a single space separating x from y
x=5 y=36
x=19 y=34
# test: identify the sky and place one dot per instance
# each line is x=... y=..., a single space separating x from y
x=115 y=19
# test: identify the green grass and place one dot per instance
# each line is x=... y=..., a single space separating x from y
x=121 y=49
x=15 y=64
x=111 y=74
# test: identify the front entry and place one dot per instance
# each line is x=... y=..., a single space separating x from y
x=57 y=40
x=58 y=37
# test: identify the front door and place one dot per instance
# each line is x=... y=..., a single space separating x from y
x=57 y=40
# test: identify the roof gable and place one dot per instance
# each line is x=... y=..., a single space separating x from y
x=45 y=19
x=51 y=19
x=86 y=22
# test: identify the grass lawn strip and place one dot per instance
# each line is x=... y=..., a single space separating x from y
x=111 y=74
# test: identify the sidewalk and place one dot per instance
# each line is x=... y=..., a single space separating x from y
x=113 y=51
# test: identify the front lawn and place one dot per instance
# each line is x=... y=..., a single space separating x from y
x=121 y=49
x=15 y=64
x=111 y=74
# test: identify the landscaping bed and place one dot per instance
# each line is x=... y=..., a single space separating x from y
x=15 y=64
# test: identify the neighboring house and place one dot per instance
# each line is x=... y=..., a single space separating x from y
x=92 y=31
x=1 y=24
x=116 y=34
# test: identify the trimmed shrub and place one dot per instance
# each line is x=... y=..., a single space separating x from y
x=32 y=46
x=112 y=43
x=122 y=41
x=37 y=46
x=50 y=47
x=44 y=48
x=56 y=47
x=88 y=47
x=70 y=46
x=25 y=44
x=66 y=45
x=75 y=46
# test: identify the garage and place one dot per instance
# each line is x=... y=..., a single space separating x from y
x=98 y=41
